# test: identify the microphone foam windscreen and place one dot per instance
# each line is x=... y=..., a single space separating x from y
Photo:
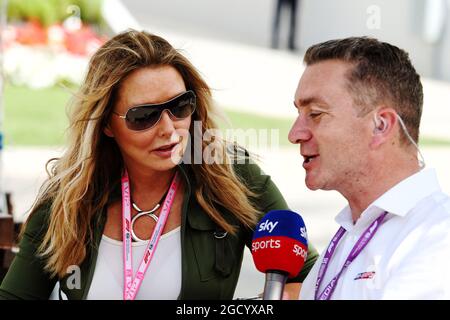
x=280 y=243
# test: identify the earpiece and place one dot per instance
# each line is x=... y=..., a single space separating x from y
x=380 y=124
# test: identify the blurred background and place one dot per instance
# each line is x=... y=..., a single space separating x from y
x=250 y=52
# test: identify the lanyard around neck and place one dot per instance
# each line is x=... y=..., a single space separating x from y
x=356 y=250
x=131 y=286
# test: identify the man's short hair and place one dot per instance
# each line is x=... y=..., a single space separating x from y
x=382 y=73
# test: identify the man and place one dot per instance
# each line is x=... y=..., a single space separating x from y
x=359 y=103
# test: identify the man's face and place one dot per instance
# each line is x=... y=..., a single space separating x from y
x=334 y=141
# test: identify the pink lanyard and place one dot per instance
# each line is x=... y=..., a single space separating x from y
x=131 y=286
x=359 y=246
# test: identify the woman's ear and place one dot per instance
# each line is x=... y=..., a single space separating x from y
x=107 y=130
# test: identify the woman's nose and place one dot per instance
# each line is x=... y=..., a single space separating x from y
x=166 y=124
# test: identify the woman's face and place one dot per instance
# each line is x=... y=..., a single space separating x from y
x=160 y=147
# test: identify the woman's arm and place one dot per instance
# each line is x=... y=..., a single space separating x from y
x=26 y=278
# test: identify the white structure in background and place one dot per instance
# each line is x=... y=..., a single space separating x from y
x=118 y=17
x=437 y=33
x=434 y=20
x=402 y=22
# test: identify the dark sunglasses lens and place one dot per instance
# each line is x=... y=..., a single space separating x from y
x=141 y=118
x=184 y=106
x=146 y=116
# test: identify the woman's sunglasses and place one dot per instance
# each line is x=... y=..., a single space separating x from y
x=146 y=116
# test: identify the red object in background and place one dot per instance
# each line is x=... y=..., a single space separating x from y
x=31 y=33
x=83 y=41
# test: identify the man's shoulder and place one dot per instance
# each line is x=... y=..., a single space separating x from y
x=443 y=201
x=436 y=207
x=430 y=220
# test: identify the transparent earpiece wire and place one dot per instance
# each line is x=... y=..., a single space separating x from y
x=402 y=124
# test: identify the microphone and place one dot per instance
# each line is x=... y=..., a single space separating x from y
x=279 y=249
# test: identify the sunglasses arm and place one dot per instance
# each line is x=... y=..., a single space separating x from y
x=119 y=115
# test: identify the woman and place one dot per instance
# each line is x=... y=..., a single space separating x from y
x=121 y=178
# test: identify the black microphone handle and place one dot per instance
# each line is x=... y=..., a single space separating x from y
x=274 y=286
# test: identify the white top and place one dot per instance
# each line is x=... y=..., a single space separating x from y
x=162 y=280
x=408 y=257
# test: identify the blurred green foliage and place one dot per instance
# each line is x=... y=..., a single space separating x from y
x=35 y=117
x=49 y=12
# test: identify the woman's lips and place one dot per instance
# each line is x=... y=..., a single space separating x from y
x=166 y=151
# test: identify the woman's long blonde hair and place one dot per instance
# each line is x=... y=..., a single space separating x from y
x=81 y=180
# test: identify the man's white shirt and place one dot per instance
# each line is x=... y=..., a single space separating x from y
x=407 y=258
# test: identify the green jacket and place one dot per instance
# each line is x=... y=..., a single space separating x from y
x=210 y=266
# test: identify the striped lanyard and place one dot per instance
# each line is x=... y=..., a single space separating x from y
x=356 y=250
x=131 y=286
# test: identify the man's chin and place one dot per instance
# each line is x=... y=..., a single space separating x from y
x=311 y=185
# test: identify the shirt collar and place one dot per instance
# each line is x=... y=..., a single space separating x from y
x=398 y=200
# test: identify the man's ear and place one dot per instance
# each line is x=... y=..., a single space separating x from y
x=384 y=122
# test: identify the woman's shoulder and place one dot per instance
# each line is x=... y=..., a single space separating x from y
x=244 y=163
x=37 y=221
x=251 y=174
x=249 y=171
